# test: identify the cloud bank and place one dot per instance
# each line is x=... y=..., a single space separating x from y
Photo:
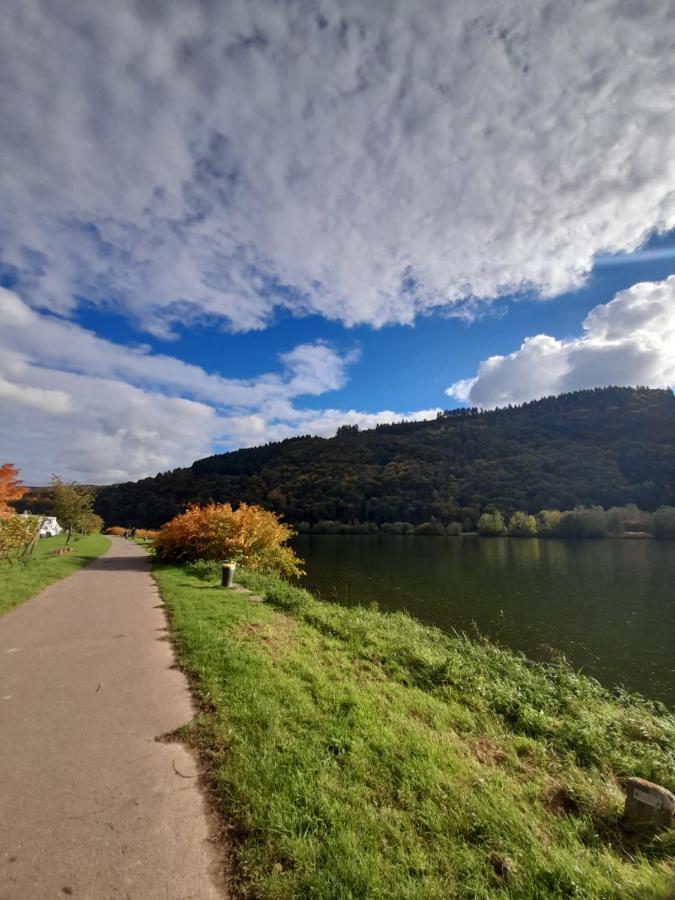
x=628 y=341
x=213 y=161
x=101 y=412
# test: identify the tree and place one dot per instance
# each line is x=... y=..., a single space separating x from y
x=90 y=523
x=248 y=535
x=522 y=525
x=346 y=430
x=17 y=533
x=548 y=522
x=73 y=505
x=583 y=522
x=608 y=447
x=664 y=522
x=627 y=518
x=397 y=528
x=11 y=488
x=491 y=524
x=434 y=527
x=636 y=519
x=616 y=520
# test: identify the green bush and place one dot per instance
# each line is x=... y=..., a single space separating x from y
x=327 y=526
x=522 y=525
x=548 y=522
x=583 y=522
x=433 y=528
x=664 y=522
x=397 y=528
x=491 y=524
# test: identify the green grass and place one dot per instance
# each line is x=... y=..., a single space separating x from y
x=24 y=578
x=361 y=755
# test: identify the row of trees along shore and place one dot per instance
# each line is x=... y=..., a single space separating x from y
x=606 y=447
x=582 y=522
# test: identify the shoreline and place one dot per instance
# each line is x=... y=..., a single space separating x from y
x=359 y=753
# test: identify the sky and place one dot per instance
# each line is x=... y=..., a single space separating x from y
x=224 y=223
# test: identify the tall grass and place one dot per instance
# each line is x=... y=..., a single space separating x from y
x=358 y=754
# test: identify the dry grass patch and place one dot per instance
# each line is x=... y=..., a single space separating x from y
x=277 y=637
x=488 y=753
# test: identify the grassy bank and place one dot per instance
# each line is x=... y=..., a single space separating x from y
x=363 y=755
x=24 y=578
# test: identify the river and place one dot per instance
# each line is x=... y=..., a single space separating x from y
x=608 y=605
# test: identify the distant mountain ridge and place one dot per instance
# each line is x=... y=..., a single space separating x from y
x=608 y=446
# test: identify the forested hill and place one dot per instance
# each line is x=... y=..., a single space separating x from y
x=608 y=446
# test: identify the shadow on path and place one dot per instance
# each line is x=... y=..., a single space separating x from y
x=113 y=563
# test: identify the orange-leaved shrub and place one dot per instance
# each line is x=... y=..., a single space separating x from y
x=11 y=488
x=249 y=535
x=116 y=530
x=146 y=534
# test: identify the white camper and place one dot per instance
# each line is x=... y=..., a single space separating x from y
x=50 y=527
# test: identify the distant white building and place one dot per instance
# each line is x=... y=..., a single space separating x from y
x=49 y=527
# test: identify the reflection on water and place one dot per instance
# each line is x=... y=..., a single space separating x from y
x=607 y=605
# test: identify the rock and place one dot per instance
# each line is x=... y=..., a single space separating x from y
x=648 y=806
x=503 y=865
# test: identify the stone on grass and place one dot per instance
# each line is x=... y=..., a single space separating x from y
x=649 y=806
x=503 y=865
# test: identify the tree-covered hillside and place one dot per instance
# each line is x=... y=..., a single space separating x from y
x=608 y=446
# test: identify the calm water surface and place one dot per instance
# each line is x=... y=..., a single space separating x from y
x=608 y=605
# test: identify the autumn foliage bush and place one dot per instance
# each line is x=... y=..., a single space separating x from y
x=144 y=534
x=248 y=535
x=17 y=533
x=11 y=488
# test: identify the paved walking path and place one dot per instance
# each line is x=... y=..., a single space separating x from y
x=91 y=805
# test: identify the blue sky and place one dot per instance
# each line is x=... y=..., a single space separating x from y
x=227 y=223
x=409 y=364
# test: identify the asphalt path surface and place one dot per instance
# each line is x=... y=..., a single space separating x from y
x=92 y=805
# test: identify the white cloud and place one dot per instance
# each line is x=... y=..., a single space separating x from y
x=316 y=368
x=322 y=422
x=628 y=341
x=307 y=369
x=97 y=411
x=368 y=162
x=113 y=432
x=54 y=402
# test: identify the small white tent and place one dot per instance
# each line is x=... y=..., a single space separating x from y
x=49 y=527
